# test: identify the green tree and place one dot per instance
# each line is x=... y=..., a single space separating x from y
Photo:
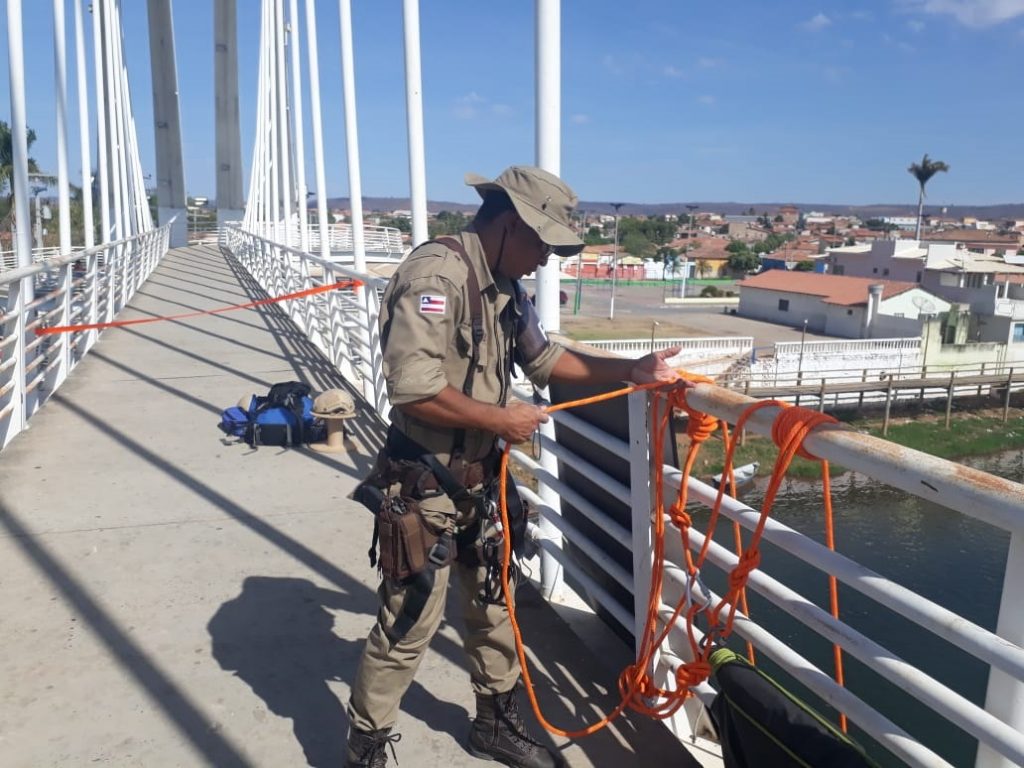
x=670 y=258
x=737 y=248
x=804 y=266
x=447 y=223
x=595 y=236
x=744 y=262
x=923 y=171
x=638 y=245
x=400 y=223
x=7 y=168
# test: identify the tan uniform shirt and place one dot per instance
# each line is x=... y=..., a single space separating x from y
x=427 y=339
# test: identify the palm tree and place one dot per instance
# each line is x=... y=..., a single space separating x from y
x=923 y=171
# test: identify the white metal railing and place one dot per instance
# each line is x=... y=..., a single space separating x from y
x=9 y=259
x=793 y=348
x=341 y=323
x=83 y=288
x=998 y=502
x=691 y=347
x=346 y=330
x=377 y=240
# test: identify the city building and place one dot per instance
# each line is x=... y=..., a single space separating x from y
x=849 y=307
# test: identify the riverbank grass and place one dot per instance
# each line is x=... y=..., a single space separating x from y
x=970 y=435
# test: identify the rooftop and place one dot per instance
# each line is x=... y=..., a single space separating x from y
x=834 y=289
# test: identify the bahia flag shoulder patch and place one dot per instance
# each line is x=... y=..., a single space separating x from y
x=432 y=305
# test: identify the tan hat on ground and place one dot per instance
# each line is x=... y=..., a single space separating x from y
x=334 y=404
x=541 y=199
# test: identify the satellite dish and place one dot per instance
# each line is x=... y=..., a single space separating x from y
x=925 y=306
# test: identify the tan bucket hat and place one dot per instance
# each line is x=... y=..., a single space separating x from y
x=334 y=404
x=541 y=199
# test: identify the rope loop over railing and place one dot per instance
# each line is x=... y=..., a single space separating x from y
x=637 y=690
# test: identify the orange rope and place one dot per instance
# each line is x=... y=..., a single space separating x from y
x=249 y=305
x=636 y=688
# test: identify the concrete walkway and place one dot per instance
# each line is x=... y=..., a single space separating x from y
x=168 y=599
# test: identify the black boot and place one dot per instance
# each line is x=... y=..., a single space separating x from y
x=367 y=749
x=499 y=733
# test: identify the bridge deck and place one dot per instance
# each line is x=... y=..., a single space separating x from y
x=171 y=600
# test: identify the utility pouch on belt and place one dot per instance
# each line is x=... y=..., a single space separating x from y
x=406 y=544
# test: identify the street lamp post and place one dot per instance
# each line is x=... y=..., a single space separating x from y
x=800 y=362
x=615 y=260
x=578 y=299
x=691 y=207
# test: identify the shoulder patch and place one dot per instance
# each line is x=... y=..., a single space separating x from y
x=431 y=304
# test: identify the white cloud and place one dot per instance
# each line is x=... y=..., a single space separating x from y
x=817 y=23
x=972 y=13
x=612 y=64
x=708 y=101
x=836 y=75
x=468 y=107
x=707 y=62
x=671 y=71
x=580 y=119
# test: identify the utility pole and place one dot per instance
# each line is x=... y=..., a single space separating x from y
x=615 y=260
x=578 y=300
x=691 y=207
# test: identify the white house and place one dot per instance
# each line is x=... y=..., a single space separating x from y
x=850 y=307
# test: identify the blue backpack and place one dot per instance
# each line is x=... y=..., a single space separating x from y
x=284 y=417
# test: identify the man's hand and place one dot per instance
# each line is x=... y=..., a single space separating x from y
x=519 y=420
x=652 y=368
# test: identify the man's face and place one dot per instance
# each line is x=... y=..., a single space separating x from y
x=524 y=250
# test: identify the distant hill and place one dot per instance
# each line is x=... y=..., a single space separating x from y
x=1000 y=211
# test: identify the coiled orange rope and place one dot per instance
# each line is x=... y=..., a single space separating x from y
x=636 y=688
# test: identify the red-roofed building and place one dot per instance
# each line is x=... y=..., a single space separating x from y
x=849 y=307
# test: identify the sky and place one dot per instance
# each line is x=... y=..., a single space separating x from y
x=662 y=101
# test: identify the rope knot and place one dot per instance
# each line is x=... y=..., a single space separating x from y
x=692 y=674
x=700 y=426
x=680 y=517
x=738 y=576
x=795 y=422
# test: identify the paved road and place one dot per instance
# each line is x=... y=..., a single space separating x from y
x=647 y=302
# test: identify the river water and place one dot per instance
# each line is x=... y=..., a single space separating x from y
x=954 y=560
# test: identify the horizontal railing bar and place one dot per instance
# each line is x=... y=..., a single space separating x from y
x=594 y=590
x=976 y=640
x=876 y=725
x=618 y=532
x=592 y=550
x=955 y=486
x=930 y=692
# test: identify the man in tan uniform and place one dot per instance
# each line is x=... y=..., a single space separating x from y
x=452 y=324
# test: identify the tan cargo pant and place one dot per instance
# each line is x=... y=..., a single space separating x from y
x=386 y=669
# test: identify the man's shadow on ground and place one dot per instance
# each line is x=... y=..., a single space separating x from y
x=278 y=637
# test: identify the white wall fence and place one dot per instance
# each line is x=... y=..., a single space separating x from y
x=706 y=355
x=86 y=287
x=344 y=326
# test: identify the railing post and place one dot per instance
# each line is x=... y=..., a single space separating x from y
x=92 y=275
x=1005 y=696
x=1006 y=401
x=642 y=503
x=888 y=403
x=949 y=398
